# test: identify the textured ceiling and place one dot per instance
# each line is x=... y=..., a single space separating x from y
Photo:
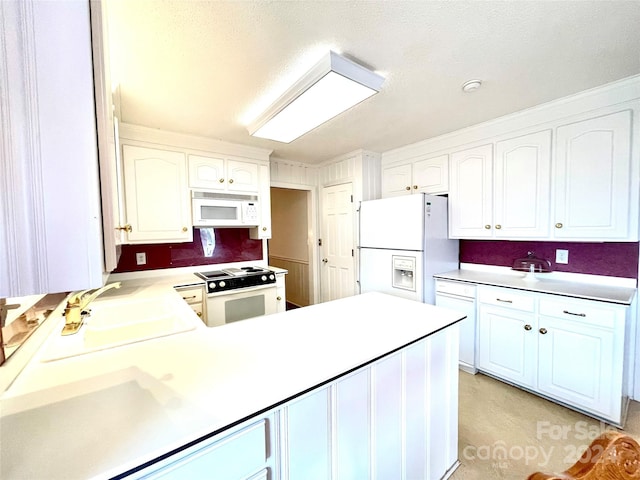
x=207 y=67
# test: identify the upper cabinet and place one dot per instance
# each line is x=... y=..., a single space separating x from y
x=223 y=174
x=592 y=178
x=470 y=215
x=157 y=199
x=580 y=187
x=430 y=175
x=50 y=233
x=161 y=169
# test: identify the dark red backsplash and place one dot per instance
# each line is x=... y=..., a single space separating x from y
x=610 y=259
x=232 y=245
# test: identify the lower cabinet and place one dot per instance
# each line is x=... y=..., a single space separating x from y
x=394 y=418
x=196 y=298
x=281 y=292
x=569 y=350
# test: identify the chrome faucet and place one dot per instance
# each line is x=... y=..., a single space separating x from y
x=74 y=312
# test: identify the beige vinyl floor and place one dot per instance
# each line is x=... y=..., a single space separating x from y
x=507 y=433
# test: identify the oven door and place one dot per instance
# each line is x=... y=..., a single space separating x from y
x=235 y=305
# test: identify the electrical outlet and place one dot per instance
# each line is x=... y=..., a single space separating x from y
x=141 y=258
x=562 y=256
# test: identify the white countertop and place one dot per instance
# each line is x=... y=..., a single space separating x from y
x=100 y=414
x=545 y=283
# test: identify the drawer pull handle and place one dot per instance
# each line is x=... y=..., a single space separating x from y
x=576 y=314
x=188 y=298
x=504 y=301
x=527 y=327
x=543 y=331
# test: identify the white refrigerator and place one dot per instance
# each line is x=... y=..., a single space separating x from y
x=403 y=243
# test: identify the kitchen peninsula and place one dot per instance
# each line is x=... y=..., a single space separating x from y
x=362 y=387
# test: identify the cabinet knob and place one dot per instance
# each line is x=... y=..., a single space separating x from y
x=498 y=227
x=221 y=180
x=415 y=187
x=543 y=331
x=184 y=229
x=487 y=227
x=199 y=314
x=325 y=260
x=264 y=229
x=278 y=298
x=127 y=228
x=231 y=180
x=407 y=188
x=527 y=327
x=559 y=225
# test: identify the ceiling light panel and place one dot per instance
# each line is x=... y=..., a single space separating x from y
x=334 y=85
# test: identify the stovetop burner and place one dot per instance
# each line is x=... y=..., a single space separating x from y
x=233 y=278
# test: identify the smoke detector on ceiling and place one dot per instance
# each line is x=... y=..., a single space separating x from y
x=471 y=86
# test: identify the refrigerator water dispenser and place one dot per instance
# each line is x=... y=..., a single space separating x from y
x=404 y=269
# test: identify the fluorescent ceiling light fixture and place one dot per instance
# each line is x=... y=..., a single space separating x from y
x=332 y=86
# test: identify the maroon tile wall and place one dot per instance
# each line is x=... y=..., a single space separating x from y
x=232 y=245
x=611 y=259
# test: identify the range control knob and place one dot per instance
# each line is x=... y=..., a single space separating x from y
x=271 y=277
x=222 y=284
x=263 y=278
x=212 y=285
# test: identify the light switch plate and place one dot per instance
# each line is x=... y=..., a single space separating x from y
x=141 y=258
x=562 y=256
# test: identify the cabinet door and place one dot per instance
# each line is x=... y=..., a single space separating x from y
x=522 y=186
x=156 y=195
x=431 y=175
x=242 y=176
x=207 y=172
x=281 y=306
x=470 y=194
x=507 y=344
x=396 y=181
x=592 y=186
x=263 y=230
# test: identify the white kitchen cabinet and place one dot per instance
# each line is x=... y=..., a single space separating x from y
x=430 y=175
x=507 y=342
x=569 y=350
x=502 y=197
x=235 y=457
x=580 y=346
x=263 y=230
x=461 y=296
x=223 y=174
x=522 y=186
x=470 y=193
x=158 y=207
x=195 y=297
x=51 y=232
x=593 y=167
x=281 y=292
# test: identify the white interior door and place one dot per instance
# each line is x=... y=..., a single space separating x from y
x=338 y=261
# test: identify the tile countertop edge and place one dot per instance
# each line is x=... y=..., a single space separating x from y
x=207 y=406
x=561 y=285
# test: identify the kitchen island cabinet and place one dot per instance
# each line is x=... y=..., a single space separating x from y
x=314 y=383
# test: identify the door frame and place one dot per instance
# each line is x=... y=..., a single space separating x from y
x=313 y=228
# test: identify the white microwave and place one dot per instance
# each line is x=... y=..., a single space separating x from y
x=220 y=210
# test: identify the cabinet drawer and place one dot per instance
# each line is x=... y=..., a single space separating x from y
x=580 y=312
x=462 y=289
x=191 y=295
x=506 y=298
x=234 y=457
